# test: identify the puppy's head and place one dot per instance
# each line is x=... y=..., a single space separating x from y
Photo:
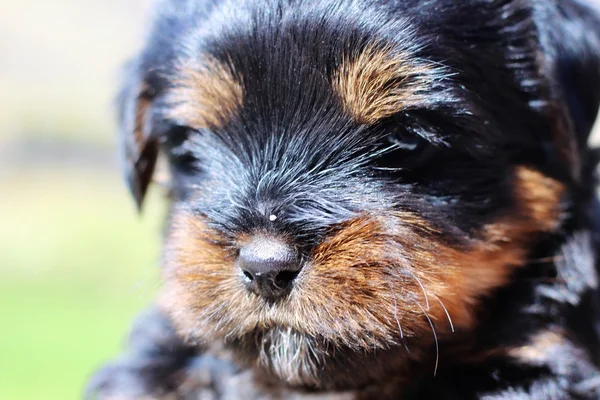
x=347 y=185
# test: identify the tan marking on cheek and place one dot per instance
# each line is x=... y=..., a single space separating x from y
x=378 y=83
x=205 y=96
x=195 y=269
x=398 y=258
x=405 y=266
x=364 y=277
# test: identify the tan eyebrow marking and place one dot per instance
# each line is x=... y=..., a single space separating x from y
x=378 y=83
x=205 y=95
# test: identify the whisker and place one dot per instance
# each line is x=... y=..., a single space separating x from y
x=447 y=313
x=389 y=169
x=422 y=289
x=437 y=347
x=397 y=319
x=396 y=314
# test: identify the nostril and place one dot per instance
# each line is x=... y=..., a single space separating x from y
x=248 y=275
x=284 y=278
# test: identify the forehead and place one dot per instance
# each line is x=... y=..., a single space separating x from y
x=269 y=68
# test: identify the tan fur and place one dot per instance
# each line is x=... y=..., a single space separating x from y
x=205 y=95
x=377 y=83
x=378 y=280
x=539 y=197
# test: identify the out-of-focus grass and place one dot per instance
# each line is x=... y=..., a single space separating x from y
x=76 y=264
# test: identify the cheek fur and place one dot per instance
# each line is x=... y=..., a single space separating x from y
x=377 y=280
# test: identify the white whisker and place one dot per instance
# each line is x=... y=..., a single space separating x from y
x=397 y=319
x=437 y=348
x=396 y=312
x=422 y=289
x=447 y=313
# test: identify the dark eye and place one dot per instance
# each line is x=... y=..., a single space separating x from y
x=183 y=160
x=175 y=144
x=400 y=139
x=403 y=149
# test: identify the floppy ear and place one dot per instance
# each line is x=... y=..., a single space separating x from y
x=139 y=148
x=574 y=39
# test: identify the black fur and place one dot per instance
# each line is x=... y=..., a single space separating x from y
x=508 y=74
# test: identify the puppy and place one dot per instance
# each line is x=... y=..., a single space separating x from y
x=369 y=199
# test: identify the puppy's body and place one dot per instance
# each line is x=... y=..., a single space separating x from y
x=369 y=199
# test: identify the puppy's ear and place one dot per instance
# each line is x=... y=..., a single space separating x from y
x=139 y=148
x=574 y=38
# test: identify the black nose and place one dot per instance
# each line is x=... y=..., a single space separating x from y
x=269 y=266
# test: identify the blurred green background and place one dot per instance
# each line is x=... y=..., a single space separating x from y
x=76 y=261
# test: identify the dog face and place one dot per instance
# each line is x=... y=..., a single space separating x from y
x=350 y=182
